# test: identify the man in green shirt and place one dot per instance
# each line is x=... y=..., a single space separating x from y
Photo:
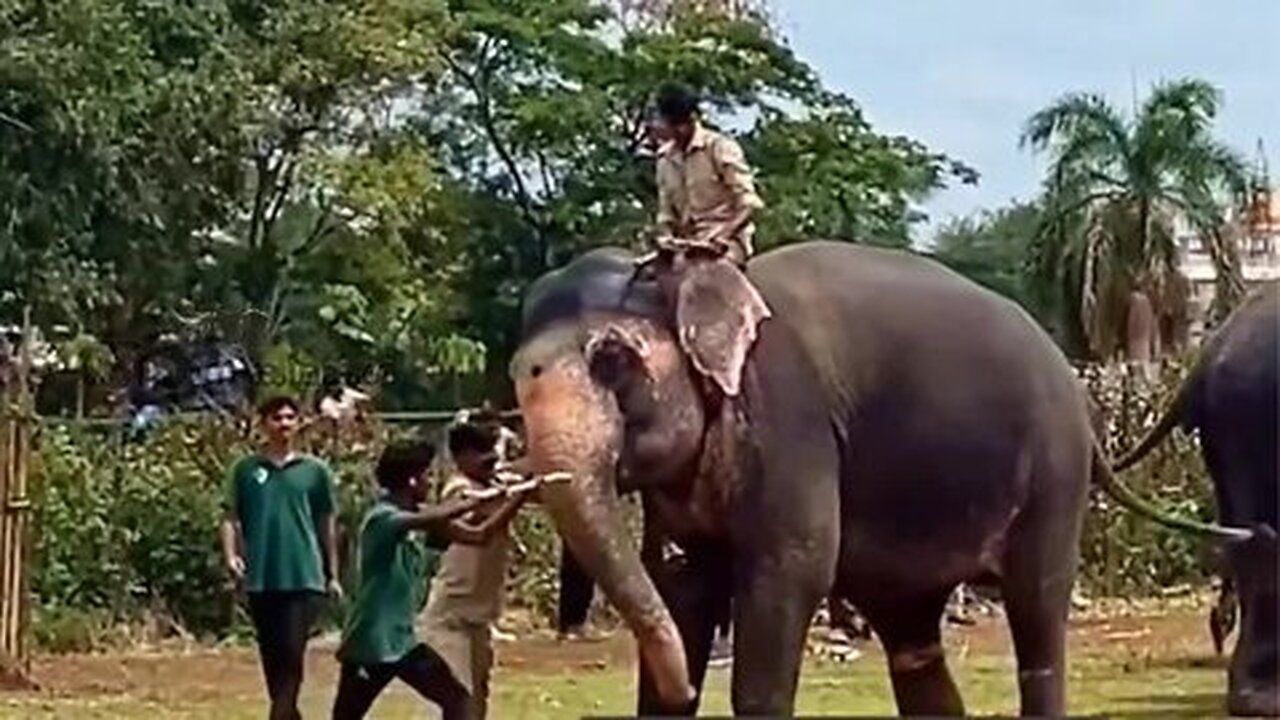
x=396 y=568
x=279 y=543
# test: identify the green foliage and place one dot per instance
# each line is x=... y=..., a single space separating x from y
x=1113 y=189
x=373 y=184
x=993 y=248
x=128 y=530
x=128 y=534
x=825 y=175
x=1124 y=555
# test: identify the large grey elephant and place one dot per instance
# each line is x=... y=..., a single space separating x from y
x=1230 y=398
x=882 y=431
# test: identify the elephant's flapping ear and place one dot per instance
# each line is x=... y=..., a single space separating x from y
x=718 y=312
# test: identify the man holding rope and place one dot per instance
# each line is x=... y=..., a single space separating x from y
x=401 y=539
x=467 y=595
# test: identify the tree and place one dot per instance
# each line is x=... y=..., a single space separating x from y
x=366 y=187
x=1106 y=254
x=828 y=174
x=543 y=118
x=166 y=158
x=992 y=249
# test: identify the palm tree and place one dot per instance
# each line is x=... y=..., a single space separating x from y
x=1106 y=250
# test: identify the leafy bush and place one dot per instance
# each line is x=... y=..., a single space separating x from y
x=127 y=530
x=127 y=533
x=1122 y=554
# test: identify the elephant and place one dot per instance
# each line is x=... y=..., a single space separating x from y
x=883 y=430
x=1230 y=399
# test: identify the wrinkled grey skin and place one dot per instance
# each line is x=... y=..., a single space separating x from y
x=1230 y=398
x=900 y=430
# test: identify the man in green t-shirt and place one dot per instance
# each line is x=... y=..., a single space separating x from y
x=279 y=543
x=396 y=568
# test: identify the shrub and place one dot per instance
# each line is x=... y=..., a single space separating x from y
x=1122 y=554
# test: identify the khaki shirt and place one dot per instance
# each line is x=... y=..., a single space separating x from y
x=704 y=186
x=471 y=583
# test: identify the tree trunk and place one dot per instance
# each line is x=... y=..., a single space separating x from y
x=80 y=393
x=1140 y=329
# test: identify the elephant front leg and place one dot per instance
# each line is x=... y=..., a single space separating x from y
x=695 y=588
x=772 y=611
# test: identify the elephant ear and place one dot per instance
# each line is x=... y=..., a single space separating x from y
x=718 y=312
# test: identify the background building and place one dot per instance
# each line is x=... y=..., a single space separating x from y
x=1257 y=231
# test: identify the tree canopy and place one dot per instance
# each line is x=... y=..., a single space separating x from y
x=365 y=187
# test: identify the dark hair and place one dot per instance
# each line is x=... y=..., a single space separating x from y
x=676 y=103
x=472 y=437
x=403 y=460
x=276 y=403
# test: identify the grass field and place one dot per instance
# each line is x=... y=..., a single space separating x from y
x=1157 y=666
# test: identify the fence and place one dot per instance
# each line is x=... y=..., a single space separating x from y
x=16 y=422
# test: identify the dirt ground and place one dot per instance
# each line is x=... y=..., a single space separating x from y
x=177 y=677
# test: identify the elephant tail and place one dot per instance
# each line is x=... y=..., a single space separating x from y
x=1128 y=499
x=1174 y=415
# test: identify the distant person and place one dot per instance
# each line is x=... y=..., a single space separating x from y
x=468 y=594
x=279 y=543
x=400 y=545
x=342 y=404
x=508 y=445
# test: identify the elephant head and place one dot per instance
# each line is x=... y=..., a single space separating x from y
x=616 y=379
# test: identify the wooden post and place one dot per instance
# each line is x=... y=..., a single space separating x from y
x=16 y=416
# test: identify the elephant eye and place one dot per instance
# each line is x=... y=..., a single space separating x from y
x=609 y=364
x=535 y=371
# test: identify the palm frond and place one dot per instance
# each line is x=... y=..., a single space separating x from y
x=1192 y=100
x=1073 y=115
x=1221 y=241
x=1106 y=244
x=1213 y=165
x=1223 y=245
x=1176 y=116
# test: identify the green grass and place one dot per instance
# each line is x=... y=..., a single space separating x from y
x=1125 y=686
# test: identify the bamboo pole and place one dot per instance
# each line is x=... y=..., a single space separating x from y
x=8 y=452
x=15 y=449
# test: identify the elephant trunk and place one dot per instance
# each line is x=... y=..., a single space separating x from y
x=570 y=428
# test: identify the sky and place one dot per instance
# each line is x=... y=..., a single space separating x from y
x=962 y=76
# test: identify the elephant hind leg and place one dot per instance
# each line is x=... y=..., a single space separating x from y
x=912 y=636
x=1039 y=573
x=1038 y=627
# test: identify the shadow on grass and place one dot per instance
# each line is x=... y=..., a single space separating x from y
x=1165 y=705
x=1190 y=662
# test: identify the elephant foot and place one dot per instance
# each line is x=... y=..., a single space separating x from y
x=922 y=684
x=1042 y=692
x=1254 y=703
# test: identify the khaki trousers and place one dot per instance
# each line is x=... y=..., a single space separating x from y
x=467 y=648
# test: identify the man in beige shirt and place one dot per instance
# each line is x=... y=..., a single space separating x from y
x=706 y=193
x=467 y=592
